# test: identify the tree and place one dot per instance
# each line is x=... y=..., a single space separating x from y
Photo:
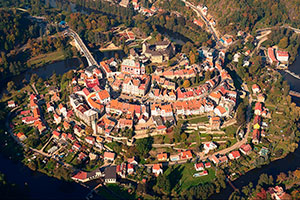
x=241 y=114
x=281 y=177
x=144 y=145
x=89 y=130
x=186 y=83
x=192 y=57
x=34 y=78
x=283 y=43
x=183 y=136
x=11 y=86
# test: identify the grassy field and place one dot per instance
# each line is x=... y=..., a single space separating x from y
x=195 y=119
x=117 y=192
x=183 y=174
x=43 y=59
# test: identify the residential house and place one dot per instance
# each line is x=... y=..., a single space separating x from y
x=11 y=104
x=282 y=56
x=130 y=169
x=234 y=155
x=184 y=155
x=162 y=157
x=245 y=149
x=255 y=89
x=57 y=118
x=157 y=169
x=215 y=123
x=83 y=177
x=21 y=136
x=90 y=140
x=109 y=156
x=256 y=136
x=56 y=134
x=50 y=107
x=199 y=166
x=209 y=146
x=132 y=67
x=62 y=110
x=220 y=111
x=258 y=108
x=110 y=174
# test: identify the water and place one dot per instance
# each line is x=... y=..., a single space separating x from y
x=274 y=168
x=39 y=186
x=46 y=71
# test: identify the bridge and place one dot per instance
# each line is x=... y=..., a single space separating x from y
x=82 y=47
x=293 y=74
x=294 y=93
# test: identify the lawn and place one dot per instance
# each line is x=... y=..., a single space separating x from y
x=43 y=59
x=183 y=174
x=117 y=192
x=230 y=130
x=196 y=119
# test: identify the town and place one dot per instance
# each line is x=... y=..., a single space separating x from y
x=154 y=111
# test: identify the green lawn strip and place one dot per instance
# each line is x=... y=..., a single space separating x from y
x=46 y=58
x=183 y=174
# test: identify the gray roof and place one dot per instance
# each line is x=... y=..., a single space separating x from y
x=111 y=172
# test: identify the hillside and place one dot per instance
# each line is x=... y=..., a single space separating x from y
x=234 y=15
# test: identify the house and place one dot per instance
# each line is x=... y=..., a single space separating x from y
x=109 y=156
x=21 y=136
x=132 y=67
x=186 y=155
x=78 y=130
x=132 y=161
x=66 y=125
x=50 y=107
x=209 y=146
x=198 y=23
x=83 y=177
x=175 y=157
x=62 y=110
x=277 y=193
x=76 y=147
x=271 y=56
x=215 y=123
x=199 y=166
x=258 y=108
x=130 y=169
x=103 y=96
x=282 y=56
x=122 y=170
x=256 y=136
x=56 y=134
x=245 y=149
x=162 y=157
x=82 y=156
x=214 y=159
x=223 y=159
x=157 y=169
x=57 y=118
x=255 y=89
x=234 y=155
x=220 y=111
x=110 y=174
x=90 y=140
x=207 y=165
x=11 y=104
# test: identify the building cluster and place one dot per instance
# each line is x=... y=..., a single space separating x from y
x=137 y=6
x=278 y=57
x=260 y=112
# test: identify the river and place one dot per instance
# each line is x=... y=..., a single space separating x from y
x=289 y=163
x=38 y=185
